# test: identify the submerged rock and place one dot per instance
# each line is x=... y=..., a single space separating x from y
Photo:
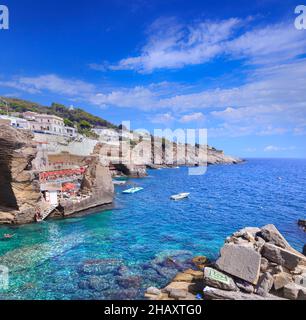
x=128 y=282
x=100 y=267
x=98 y=283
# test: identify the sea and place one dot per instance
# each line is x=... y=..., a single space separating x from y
x=146 y=238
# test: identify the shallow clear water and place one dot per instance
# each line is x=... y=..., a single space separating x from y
x=118 y=253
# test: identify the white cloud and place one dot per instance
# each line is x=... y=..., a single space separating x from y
x=52 y=83
x=271 y=101
x=164 y=118
x=272 y=148
x=197 y=116
x=273 y=43
x=171 y=45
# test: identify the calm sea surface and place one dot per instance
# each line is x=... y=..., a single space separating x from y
x=146 y=238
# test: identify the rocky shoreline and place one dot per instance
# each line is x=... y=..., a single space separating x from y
x=26 y=158
x=254 y=264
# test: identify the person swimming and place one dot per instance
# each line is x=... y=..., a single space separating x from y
x=8 y=236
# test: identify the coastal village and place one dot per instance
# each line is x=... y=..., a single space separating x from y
x=52 y=170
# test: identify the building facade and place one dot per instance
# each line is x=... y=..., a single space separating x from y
x=49 y=124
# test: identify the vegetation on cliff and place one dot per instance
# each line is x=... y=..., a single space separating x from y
x=83 y=120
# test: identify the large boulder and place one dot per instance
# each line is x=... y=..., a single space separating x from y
x=281 y=256
x=200 y=262
x=264 y=284
x=210 y=293
x=302 y=223
x=280 y=280
x=272 y=235
x=245 y=232
x=300 y=279
x=240 y=261
x=294 y=291
x=216 y=279
x=244 y=286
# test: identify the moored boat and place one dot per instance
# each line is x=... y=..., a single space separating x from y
x=180 y=196
x=132 y=190
x=119 y=182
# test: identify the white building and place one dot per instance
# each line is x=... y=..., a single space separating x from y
x=49 y=124
x=107 y=134
x=15 y=122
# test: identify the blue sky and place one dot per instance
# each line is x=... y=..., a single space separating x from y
x=237 y=68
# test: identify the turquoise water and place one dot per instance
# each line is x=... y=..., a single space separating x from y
x=118 y=253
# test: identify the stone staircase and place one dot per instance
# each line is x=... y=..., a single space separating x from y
x=44 y=212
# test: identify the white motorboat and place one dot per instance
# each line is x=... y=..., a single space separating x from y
x=132 y=190
x=180 y=196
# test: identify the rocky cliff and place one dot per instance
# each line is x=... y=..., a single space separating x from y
x=20 y=194
x=19 y=191
x=23 y=155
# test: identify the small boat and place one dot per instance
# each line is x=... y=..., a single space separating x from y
x=132 y=190
x=180 y=196
x=119 y=182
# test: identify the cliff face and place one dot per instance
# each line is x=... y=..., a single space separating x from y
x=158 y=155
x=97 y=183
x=20 y=194
x=18 y=191
x=24 y=155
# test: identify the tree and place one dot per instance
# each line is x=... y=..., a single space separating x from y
x=84 y=124
x=68 y=123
